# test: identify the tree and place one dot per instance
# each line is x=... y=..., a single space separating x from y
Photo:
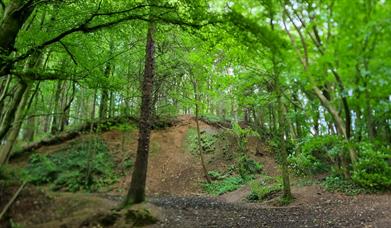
x=136 y=193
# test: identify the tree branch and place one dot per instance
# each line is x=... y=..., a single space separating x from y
x=2 y=4
x=47 y=76
x=69 y=52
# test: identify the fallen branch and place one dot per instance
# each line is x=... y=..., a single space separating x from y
x=100 y=125
x=217 y=124
x=12 y=200
x=94 y=126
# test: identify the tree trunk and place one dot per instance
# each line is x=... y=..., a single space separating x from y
x=348 y=117
x=55 y=121
x=67 y=109
x=370 y=125
x=112 y=105
x=316 y=118
x=10 y=114
x=297 y=119
x=4 y=89
x=274 y=121
x=57 y=115
x=136 y=193
x=17 y=123
x=246 y=117
x=105 y=95
x=337 y=120
x=200 y=148
x=284 y=155
x=103 y=104
x=29 y=130
x=104 y=101
x=93 y=106
x=14 y=17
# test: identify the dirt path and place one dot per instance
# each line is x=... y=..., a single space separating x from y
x=360 y=211
x=34 y=209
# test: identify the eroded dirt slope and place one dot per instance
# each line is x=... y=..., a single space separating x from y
x=171 y=169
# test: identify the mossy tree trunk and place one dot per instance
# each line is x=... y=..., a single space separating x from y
x=282 y=119
x=56 y=118
x=16 y=125
x=15 y=15
x=283 y=150
x=9 y=116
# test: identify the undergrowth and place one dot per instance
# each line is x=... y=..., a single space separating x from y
x=236 y=176
x=213 y=118
x=264 y=188
x=314 y=155
x=9 y=173
x=339 y=184
x=85 y=165
x=373 y=169
x=228 y=184
x=329 y=154
x=208 y=141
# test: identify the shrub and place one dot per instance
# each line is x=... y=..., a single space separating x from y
x=372 y=169
x=41 y=169
x=215 y=175
x=248 y=167
x=85 y=165
x=228 y=181
x=264 y=188
x=316 y=154
x=339 y=184
x=241 y=134
x=127 y=164
x=208 y=141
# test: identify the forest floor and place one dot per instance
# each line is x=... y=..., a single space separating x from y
x=175 y=194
